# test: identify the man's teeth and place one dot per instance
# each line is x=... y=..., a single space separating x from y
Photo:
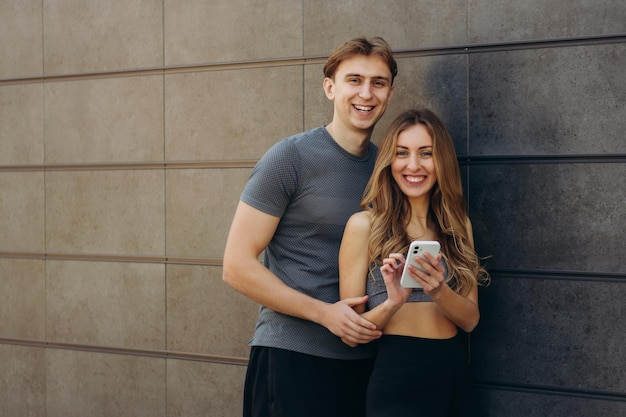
x=363 y=108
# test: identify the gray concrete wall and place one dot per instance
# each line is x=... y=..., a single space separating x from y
x=128 y=129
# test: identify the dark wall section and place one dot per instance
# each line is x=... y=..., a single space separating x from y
x=546 y=185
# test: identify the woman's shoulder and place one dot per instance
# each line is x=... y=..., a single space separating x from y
x=358 y=227
x=360 y=221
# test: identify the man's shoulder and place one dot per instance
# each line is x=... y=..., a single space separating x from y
x=316 y=132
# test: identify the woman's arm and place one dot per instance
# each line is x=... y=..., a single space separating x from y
x=354 y=271
x=461 y=310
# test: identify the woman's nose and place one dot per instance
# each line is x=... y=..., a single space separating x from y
x=413 y=163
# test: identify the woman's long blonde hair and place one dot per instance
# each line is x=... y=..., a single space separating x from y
x=390 y=210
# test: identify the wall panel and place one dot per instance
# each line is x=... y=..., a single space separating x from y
x=404 y=24
x=539 y=216
x=203 y=389
x=104 y=120
x=105 y=212
x=231 y=115
x=552 y=332
x=22 y=298
x=200 y=207
x=21 y=39
x=503 y=20
x=21 y=211
x=223 y=320
x=23 y=381
x=560 y=101
x=536 y=404
x=102 y=385
x=106 y=303
x=92 y=36
x=198 y=31
x=21 y=124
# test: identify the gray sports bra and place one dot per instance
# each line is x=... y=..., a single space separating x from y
x=377 y=291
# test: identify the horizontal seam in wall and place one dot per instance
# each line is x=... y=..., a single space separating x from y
x=465 y=160
x=541 y=159
x=172 y=260
x=558 y=275
x=152 y=353
x=317 y=59
x=129 y=166
x=551 y=390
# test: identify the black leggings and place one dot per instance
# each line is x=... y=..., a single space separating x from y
x=420 y=378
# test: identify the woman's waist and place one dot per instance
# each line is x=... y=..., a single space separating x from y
x=423 y=320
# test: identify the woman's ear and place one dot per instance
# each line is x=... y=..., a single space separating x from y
x=329 y=88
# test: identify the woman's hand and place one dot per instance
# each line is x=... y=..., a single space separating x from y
x=432 y=278
x=391 y=271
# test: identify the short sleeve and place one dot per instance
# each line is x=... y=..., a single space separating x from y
x=274 y=179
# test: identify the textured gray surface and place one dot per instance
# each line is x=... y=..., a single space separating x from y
x=548 y=101
x=563 y=333
x=499 y=403
x=550 y=216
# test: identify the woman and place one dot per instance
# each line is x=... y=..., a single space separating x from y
x=415 y=193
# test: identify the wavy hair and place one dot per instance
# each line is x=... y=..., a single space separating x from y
x=390 y=210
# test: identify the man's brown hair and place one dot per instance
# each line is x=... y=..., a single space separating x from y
x=376 y=46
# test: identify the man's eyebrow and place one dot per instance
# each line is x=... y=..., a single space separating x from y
x=376 y=77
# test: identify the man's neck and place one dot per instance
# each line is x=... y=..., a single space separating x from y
x=354 y=142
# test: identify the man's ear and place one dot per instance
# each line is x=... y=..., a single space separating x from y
x=329 y=88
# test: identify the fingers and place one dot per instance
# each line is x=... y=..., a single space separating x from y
x=350 y=326
x=353 y=318
x=392 y=266
x=432 y=276
x=353 y=301
x=354 y=337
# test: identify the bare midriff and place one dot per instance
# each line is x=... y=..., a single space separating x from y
x=423 y=320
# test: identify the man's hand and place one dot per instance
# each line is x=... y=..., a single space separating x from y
x=343 y=321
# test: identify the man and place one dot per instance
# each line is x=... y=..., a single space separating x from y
x=310 y=354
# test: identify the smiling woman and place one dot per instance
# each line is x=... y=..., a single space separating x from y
x=413 y=167
x=415 y=194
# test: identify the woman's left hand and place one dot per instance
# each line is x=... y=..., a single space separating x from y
x=432 y=278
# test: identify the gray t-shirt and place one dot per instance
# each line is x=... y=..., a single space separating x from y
x=314 y=186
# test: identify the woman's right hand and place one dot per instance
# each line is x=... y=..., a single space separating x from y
x=391 y=271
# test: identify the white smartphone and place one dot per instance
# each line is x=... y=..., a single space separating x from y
x=417 y=248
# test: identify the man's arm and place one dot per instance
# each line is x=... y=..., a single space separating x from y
x=251 y=231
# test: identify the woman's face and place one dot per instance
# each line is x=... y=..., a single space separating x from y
x=413 y=166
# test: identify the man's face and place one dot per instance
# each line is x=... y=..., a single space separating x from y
x=361 y=90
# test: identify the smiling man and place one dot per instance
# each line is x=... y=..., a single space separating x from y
x=310 y=354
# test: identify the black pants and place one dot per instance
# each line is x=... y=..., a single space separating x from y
x=420 y=378
x=281 y=383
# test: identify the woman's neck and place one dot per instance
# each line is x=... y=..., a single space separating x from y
x=420 y=226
